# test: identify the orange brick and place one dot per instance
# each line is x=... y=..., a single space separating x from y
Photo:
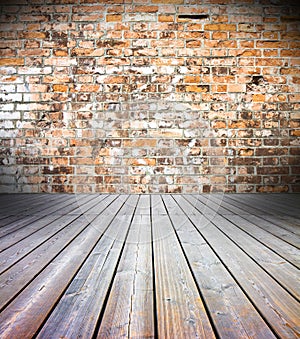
x=220 y=35
x=60 y=88
x=140 y=143
x=113 y=17
x=11 y=61
x=61 y=53
x=220 y=27
x=166 y=18
x=290 y=53
x=236 y=88
x=89 y=88
x=219 y=124
x=197 y=88
x=32 y=35
x=192 y=79
x=258 y=97
x=271 y=44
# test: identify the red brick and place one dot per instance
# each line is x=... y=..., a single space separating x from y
x=236 y=71
x=177 y=2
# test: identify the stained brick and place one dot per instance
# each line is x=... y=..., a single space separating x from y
x=219 y=92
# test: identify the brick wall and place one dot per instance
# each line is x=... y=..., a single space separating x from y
x=149 y=96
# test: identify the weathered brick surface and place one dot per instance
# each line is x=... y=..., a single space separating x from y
x=179 y=96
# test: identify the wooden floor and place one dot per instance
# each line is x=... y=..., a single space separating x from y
x=149 y=266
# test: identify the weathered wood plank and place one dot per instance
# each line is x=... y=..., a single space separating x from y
x=259 y=221
x=12 y=204
x=32 y=206
x=25 y=263
x=36 y=223
x=179 y=267
x=26 y=313
x=279 y=246
x=233 y=314
x=84 y=299
x=285 y=273
x=288 y=222
x=275 y=304
x=180 y=309
x=129 y=311
x=19 y=221
x=277 y=207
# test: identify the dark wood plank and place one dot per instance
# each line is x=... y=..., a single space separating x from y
x=12 y=204
x=278 y=207
x=274 y=303
x=180 y=309
x=233 y=314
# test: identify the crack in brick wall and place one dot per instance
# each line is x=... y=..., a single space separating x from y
x=148 y=96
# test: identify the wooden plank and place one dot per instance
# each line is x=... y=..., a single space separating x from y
x=38 y=208
x=26 y=313
x=15 y=203
x=18 y=251
x=259 y=221
x=280 y=269
x=275 y=304
x=22 y=220
x=180 y=309
x=17 y=223
x=129 y=312
x=280 y=232
x=233 y=314
x=35 y=256
x=267 y=202
x=16 y=231
x=291 y=226
x=279 y=246
x=288 y=222
x=27 y=205
x=31 y=225
x=84 y=299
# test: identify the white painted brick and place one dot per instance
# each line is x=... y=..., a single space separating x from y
x=6 y=124
x=6 y=107
x=35 y=70
x=8 y=88
x=140 y=17
x=8 y=70
x=10 y=97
x=11 y=133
